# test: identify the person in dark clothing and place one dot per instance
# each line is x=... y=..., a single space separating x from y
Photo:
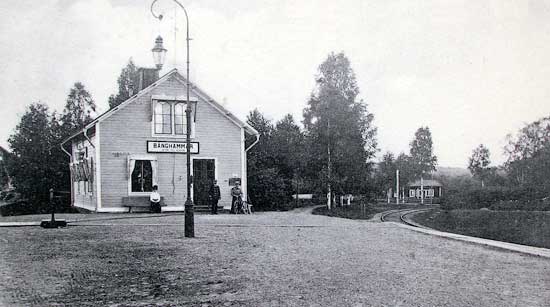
x=214 y=195
x=236 y=199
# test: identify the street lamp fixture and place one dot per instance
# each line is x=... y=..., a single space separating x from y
x=189 y=215
x=159 y=53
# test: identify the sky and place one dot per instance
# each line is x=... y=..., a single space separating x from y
x=472 y=71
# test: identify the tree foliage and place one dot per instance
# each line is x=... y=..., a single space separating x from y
x=4 y=174
x=37 y=163
x=385 y=175
x=406 y=169
x=529 y=140
x=266 y=188
x=338 y=129
x=288 y=140
x=125 y=84
x=79 y=108
x=478 y=163
x=275 y=163
x=528 y=155
x=422 y=159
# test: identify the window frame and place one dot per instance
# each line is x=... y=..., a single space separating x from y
x=162 y=115
x=154 y=172
x=172 y=103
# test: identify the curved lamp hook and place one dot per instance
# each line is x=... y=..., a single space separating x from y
x=159 y=16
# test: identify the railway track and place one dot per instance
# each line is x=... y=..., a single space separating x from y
x=398 y=216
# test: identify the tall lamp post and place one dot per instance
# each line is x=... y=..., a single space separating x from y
x=158 y=54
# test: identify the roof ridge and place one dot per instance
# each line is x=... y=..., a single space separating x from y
x=165 y=77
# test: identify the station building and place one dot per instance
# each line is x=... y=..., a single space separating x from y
x=117 y=158
x=432 y=189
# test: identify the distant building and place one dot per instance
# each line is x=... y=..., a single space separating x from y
x=432 y=189
x=118 y=157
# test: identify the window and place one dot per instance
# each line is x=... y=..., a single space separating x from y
x=163 y=118
x=142 y=174
x=179 y=118
x=411 y=193
x=430 y=193
x=169 y=118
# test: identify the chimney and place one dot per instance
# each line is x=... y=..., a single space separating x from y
x=146 y=77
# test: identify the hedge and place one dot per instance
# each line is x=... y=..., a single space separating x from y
x=497 y=198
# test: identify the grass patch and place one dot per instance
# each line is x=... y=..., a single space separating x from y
x=521 y=227
x=348 y=212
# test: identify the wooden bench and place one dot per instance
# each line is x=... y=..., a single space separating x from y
x=139 y=201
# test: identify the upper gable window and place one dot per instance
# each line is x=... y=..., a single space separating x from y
x=180 y=119
x=163 y=118
x=169 y=118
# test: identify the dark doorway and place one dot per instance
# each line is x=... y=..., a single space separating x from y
x=204 y=171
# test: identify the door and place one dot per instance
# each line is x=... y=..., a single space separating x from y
x=203 y=175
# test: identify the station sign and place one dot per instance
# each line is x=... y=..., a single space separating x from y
x=172 y=147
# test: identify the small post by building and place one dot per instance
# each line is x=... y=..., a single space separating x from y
x=421 y=189
x=397 y=186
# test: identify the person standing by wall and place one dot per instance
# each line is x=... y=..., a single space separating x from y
x=154 y=199
x=236 y=198
x=214 y=195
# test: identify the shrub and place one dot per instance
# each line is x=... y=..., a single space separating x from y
x=268 y=191
x=496 y=198
x=22 y=206
x=356 y=211
x=527 y=205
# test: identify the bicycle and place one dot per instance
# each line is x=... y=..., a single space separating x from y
x=237 y=205
x=246 y=208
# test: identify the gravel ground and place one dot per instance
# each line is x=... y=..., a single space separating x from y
x=266 y=259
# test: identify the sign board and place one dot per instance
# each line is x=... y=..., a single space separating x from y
x=172 y=147
x=234 y=181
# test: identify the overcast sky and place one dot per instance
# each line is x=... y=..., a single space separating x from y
x=472 y=71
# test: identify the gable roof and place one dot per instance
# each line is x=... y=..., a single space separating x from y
x=427 y=182
x=193 y=88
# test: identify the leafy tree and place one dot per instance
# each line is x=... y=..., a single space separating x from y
x=35 y=147
x=478 y=163
x=79 y=109
x=422 y=158
x=288 y=140
x=4 y=175
x=339 y=130
x=406 y=169
x=528 y=153
x=529 y=140
x=266 y=188
x=262 y=153
x=125 y=81
x=386 y=172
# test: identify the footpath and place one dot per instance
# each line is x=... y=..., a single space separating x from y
x=524 y=249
